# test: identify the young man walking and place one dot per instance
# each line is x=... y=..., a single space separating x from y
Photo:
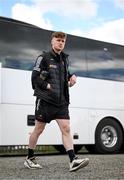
x=50 y=81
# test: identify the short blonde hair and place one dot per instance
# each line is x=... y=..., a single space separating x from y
x=59 y=34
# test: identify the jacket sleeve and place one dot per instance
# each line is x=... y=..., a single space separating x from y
x=68 y=72
x=36 y=80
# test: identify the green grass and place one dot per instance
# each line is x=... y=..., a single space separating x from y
x=22 y=150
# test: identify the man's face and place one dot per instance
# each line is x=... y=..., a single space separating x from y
x=58 y=44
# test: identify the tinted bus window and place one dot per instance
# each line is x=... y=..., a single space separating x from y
x=20 y=45
x=76 y=47
x=105 y=60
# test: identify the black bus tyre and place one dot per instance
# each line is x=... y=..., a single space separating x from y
x=108 y=136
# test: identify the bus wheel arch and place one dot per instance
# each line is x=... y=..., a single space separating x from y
x=109 y=136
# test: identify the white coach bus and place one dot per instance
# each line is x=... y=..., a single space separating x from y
x=97 y=100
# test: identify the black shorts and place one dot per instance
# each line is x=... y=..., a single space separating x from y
x=45 y=112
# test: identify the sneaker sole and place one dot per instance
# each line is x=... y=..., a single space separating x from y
x=29 y=167
x=82 y=165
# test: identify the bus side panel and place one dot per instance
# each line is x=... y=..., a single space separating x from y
x=16 y=87
x=17 y=103
x=15 y=130
x=79 y=121
x=14 y=124
x=96 y=99
x=0 y=105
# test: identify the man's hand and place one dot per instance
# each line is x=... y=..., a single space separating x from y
x=72 y=80
x=48 y=86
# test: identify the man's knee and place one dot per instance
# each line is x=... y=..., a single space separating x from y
x=39 y=127
x=66 y=128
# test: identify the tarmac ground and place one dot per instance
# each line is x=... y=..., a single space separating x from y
x=110 y=167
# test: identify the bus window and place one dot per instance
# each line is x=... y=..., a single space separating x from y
x=76 y=47
x=105 y=61
x=20 y=48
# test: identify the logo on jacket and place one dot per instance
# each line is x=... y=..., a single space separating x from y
x=52 y=59
x=53 y=66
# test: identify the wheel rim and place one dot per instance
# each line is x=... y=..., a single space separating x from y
x=109 y=136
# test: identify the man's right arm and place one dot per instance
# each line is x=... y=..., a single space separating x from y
x=36 y=77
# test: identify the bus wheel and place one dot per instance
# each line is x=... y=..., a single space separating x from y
x=108 y=136
x=62 y=150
